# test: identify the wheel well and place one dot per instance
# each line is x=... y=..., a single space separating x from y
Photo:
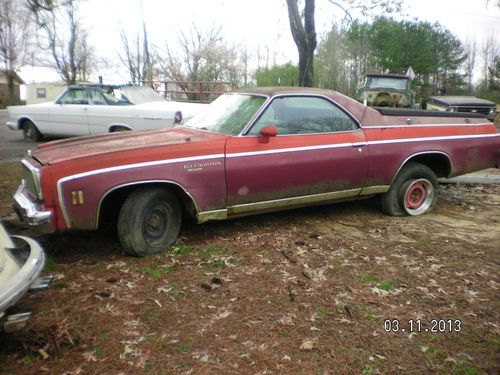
x=439 y=163
x=112 y=202
x=21 y=121
x=114 y=128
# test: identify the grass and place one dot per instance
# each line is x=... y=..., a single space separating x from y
x=61 y=285
x=369 y=278
x=50 y=264
x=386 y=285
x=182 y=348
x=321 y=311
x=369 y=313
x=156 y=272
x=98 y=350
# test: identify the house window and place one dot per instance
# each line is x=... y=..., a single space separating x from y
x=41 y=93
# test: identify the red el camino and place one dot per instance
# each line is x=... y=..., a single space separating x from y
x=249 y=152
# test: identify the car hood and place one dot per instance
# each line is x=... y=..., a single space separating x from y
x=82 y=147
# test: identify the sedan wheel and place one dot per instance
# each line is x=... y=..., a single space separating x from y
x=30 y=132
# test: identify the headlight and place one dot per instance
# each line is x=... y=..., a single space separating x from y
x=451 y=109
x=31 y=177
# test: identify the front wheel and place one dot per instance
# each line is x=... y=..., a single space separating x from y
x=149 y=221
x=30 y=132
x=413 y=192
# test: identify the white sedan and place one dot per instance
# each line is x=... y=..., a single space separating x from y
x=91 y=109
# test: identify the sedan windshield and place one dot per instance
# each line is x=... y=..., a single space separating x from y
x=228 y=114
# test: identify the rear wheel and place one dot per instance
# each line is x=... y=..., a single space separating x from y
x=30 y=132
x=149 y=221
x=413 y=192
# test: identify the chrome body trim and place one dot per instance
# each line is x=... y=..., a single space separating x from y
x=268 y=102
x=291 y=149
x=293 y=201
x=414 y=126
x=424 y=153
x=30 y=211
x=211 y=215
x=16 y=322
x=374 y=189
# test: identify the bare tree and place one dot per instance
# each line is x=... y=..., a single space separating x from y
x=470 y=48
x=489 y=51
x=15 y=37
x=244 y=55
x=303 y=28
x=497 y=3
x=138 y=56
x=202 y=57
x=56 y=19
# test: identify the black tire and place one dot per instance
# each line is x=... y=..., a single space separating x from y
x=119 y=129
x=30 y=132
x=149 y=221
x=413 y=192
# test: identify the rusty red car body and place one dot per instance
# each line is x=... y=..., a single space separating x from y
x=73 y=183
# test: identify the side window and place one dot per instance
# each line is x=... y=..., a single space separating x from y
x=97 y=97
x=75 y=96
x=304 y=115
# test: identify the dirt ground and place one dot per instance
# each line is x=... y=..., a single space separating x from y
x=308 y=291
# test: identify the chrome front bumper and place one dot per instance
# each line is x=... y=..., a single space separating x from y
x=32 y=259
x=29 y=211
x=12 y=125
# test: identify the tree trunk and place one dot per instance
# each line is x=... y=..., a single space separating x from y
x=306 y=67
x=304 y=36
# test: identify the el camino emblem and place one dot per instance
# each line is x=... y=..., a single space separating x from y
x=194 y=167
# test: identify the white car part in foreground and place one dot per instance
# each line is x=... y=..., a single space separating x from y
x=21 y=263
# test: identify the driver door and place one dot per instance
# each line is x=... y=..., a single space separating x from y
x=317 y=156
x=69 y=115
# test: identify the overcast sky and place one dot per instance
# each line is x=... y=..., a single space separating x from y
x=259 y=24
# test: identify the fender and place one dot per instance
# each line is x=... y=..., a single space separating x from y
x=434 y=152
x=145 y=182
x=23 y=118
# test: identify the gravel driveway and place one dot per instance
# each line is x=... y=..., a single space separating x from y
x=12 y=145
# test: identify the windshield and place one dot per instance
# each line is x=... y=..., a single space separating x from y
x=141 y=94
x=228 y=114
x=387 y=82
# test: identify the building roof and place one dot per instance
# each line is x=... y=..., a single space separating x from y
x=16 y=77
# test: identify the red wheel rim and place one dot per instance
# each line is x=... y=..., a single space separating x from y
x=415 y=195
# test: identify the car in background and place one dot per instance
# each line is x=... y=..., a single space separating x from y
x=465 y=104
x=387 y=90
x=21 y=263
x=91 y=109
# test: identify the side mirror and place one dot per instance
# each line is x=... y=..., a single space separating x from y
x=269 y=131
x=266 y=132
